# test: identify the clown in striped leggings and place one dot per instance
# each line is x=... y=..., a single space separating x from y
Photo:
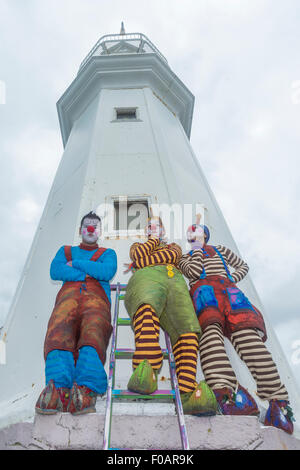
x=223 y=310
x=251 y=349
x=157 y=297
x=147 y=328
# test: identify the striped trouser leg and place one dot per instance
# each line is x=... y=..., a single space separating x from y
x=60 y=368
x=251 y=349
x=146 y=329
x=215 y=364
x=185 y=353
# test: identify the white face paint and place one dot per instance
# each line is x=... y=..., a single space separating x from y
x=155 y=229
x=90 y=230
x=195 y=233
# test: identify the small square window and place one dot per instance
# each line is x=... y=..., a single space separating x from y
x=125 y=113
x=131 y=214
x=126 y=216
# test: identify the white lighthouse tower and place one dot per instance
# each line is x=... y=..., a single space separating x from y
x=125 y=122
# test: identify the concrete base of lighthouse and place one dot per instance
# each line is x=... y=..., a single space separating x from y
x=146 y=430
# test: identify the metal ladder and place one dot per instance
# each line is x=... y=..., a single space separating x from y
x=113 y=393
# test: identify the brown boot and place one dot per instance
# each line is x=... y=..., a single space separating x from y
x=83 y=400
x=53 y=400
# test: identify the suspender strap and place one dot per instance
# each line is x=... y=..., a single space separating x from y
x=98 y=253
x=68 y=253
x=225 y=265
x=95 y=257
x=203 y=274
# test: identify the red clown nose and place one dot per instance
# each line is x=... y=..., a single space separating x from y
x=91 y=229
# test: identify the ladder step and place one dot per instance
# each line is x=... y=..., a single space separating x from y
x=158 y=395
x=115 y=286
x=172 y=395
x=124 y=321
x=128 y=353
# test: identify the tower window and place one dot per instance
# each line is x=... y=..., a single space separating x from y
x=131 y=214
x=126 y=114
x=125 y=216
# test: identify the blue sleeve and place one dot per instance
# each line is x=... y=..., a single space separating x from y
x=60 y=271
x=103 y=269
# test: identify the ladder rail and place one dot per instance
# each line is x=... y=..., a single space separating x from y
x=113 y=393
x=178 y=404
x=111 y=378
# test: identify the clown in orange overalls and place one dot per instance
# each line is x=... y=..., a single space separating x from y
x=79 y=328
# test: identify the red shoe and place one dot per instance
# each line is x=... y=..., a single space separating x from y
x=237 y=404
x=53 y=400
x=64 y=395
x=83 y=400
x=280 y=415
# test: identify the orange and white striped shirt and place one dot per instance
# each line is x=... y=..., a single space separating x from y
x=153 y=253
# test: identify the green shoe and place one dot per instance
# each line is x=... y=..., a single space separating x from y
x=200 y=402
x=143 y=379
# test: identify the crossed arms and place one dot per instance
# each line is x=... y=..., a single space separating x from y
x=103 y=269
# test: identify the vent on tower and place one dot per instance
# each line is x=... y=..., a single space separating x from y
x=125 y=114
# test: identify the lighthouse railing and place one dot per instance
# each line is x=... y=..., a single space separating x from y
x=121 y=37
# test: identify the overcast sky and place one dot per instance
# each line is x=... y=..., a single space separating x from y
x=241 y=60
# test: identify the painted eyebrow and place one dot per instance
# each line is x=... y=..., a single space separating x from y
x=91 y=223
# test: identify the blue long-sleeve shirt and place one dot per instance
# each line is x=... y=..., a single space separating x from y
x=103 y=269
